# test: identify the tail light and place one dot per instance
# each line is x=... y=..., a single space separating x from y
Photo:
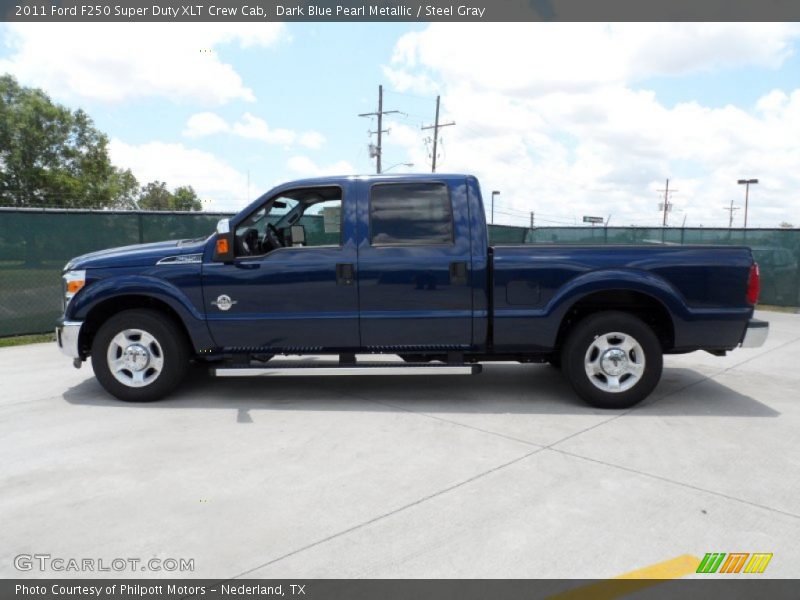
x=753 y=284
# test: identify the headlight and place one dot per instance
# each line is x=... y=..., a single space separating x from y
x=73 y=282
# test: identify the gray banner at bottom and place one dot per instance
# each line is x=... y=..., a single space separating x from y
x=742 y=588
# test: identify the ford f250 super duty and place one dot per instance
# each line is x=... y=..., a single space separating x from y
x=398 y=265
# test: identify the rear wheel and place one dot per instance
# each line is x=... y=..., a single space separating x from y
x=612 y=360
x=140 y=355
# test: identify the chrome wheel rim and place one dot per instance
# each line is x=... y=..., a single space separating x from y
x=614 y=362
x=135 y=357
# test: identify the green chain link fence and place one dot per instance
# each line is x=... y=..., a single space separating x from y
x=36 y=244
x=777 y=251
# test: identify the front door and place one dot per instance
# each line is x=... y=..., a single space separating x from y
x=283 y=295
x=414 y=267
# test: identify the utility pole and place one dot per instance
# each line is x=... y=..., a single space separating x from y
x=667 y=204
x=533 y=218
x=380 y=112
x=436 y=126
x=730 y=216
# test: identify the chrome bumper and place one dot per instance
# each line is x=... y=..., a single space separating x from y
x=67 y=334
x=756 y=333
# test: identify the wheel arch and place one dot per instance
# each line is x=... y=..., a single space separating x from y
x=108 y=307
x=646 y=306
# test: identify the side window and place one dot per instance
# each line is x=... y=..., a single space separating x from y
x=410 y=213
x=297 y=217
x=323 y=223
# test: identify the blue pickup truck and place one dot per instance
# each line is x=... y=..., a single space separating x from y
x=398 y=265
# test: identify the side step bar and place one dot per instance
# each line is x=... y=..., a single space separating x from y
x=306 y=369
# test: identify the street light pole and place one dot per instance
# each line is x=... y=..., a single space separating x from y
x=746 y=183
x=495 y=193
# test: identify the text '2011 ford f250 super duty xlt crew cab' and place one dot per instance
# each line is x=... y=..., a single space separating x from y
x=398 y=265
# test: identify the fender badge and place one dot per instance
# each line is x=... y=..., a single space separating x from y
x=224 y=302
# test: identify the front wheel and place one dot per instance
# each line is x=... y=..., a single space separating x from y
x=139 y=355
x=612 y=360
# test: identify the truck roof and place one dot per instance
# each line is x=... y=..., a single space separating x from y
x=331 y=179
x=340 y=179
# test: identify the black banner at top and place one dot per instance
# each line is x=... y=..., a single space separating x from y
x=260 y=11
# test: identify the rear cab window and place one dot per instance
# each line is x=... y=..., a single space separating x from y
x=410 y=214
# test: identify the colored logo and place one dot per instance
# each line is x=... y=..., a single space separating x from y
x=735 y=562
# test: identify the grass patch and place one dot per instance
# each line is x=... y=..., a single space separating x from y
x=781 y=309
x=21 y=340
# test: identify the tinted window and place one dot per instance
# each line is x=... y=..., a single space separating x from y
x=410 y=213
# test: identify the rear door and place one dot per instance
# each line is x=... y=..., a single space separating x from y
x=414 y=266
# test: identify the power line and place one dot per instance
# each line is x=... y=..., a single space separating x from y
x=436 y=126
x=526 y=214
x=538 y=218
x=379 y=113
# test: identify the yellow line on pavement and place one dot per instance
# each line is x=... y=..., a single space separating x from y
x=624 y=584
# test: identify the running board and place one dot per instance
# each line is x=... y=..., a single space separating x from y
x=305 y=370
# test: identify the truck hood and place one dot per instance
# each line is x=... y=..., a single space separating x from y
x=138 y=255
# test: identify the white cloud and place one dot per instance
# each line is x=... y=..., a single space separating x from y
x=250 y=127
x=526 y=58
x=256 y=128
x=551 y=115
x=312 y=139
x=112 y=62
x=218 y=184
x=305 y=167
x=203 y=124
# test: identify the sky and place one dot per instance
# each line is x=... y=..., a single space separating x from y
x=563 y=119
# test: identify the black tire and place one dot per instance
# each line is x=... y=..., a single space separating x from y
x=641 y=366
x=170 y=344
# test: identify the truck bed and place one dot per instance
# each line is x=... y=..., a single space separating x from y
x=700 y=289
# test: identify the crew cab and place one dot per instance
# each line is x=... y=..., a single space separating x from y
x=398 y=265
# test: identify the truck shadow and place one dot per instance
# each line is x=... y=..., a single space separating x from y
x=500 y=389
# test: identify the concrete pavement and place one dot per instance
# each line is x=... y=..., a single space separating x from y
x=506 y=474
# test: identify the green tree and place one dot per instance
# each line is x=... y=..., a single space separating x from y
x=185 y=198
x=50 y=155
x=156 y=196
x=125 y=189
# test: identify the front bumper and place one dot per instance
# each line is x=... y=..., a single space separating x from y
x=756 y=333
x=67 y=335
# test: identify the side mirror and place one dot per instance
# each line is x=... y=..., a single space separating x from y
x=298 y=234
x=223 y=244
